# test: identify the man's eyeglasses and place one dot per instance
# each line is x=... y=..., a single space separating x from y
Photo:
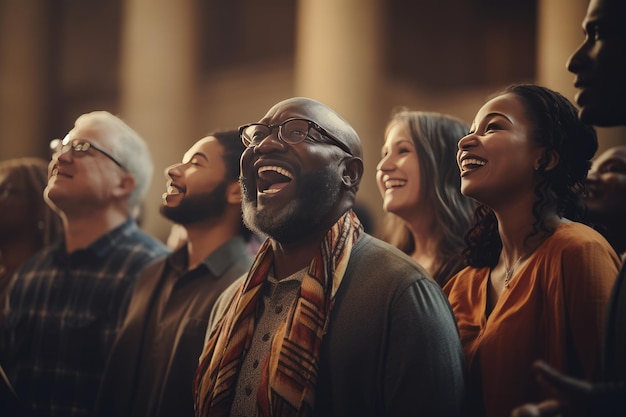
x=80 y=148
x=290 y=131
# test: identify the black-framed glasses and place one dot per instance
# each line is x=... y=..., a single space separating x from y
x=80 y=148
x=291 y=131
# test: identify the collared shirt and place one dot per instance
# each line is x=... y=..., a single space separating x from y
x=277 y=298
x=62 y=316
x=176 y=316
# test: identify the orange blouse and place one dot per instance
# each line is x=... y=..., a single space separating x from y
x=553 y=310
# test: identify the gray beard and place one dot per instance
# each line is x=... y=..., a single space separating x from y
x=317 y=193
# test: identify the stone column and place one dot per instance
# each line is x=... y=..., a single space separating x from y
x=559 y=33
x=158 y=83
x=338 y=63
x=23 y=92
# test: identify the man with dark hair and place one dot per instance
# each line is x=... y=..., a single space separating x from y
x=151 y=367
x=599 y=64
x=329 y=321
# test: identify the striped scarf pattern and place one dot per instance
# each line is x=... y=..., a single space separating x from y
x=290 y=373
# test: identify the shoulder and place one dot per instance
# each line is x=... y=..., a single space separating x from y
x=575 y=233
x=466 y=282
x=380 y=268
x=222 y=303
x=572 y=239
x=147 y=243
x=232 y=258
x=373 y=254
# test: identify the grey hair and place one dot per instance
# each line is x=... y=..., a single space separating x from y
x=130 y=149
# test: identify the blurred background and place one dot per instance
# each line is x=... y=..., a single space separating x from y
x=175 y=70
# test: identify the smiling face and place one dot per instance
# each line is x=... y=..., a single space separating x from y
x=498 y=158
x=600 y=64
x=293 y=191
x=398 y=172
x=86 y=181
x=606 y=186
x=196 y=189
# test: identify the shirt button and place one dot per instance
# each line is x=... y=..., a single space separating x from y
x=278 y=309
x=248 y=390
x=255 y=364
x=266 y=337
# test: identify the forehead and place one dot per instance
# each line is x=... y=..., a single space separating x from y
x=398 y=131
x=208 y=146
x=508 y=105
x=289 y=110
x=611 y=12
x=92 y=131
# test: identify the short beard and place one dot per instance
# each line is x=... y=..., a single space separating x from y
x=197 y=208
x=316 y=195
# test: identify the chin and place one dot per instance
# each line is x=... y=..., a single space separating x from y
x=603 y=116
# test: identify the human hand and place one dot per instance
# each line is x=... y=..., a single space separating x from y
x=571 y=397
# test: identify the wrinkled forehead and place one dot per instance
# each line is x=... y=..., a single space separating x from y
x=324 y=116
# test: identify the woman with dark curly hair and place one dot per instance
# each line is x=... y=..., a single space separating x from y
x=27 y=224
x=538 y=281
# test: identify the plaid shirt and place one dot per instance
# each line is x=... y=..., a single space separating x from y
x=63 y=314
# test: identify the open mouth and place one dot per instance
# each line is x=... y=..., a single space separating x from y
x=394 y=183
x=272 y=179
x=173 y=189
x=56 y=173
x=470 y=164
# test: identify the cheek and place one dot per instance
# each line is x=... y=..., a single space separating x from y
x=245 y=161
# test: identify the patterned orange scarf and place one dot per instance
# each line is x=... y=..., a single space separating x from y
x=290 y=374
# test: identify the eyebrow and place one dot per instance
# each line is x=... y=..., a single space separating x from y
x=494 y=114
x=197 y=154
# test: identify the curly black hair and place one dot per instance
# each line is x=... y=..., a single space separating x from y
x=556 y=128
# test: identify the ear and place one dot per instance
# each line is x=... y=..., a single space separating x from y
x=548 y=160
x=233 y=193
x=352 y=173
x=126 y=186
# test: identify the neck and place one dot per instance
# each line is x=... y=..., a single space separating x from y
x=426 y=240
x=203 y=238
x=81 y=231
x=515 y=227
x=292 y=257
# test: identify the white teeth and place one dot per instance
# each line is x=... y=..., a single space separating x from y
x=471 y=161
x=172 y=190
x=280 y=170
x=271 y=191
x=394 y=183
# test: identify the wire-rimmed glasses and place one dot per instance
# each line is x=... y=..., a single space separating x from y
x=80 y=148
